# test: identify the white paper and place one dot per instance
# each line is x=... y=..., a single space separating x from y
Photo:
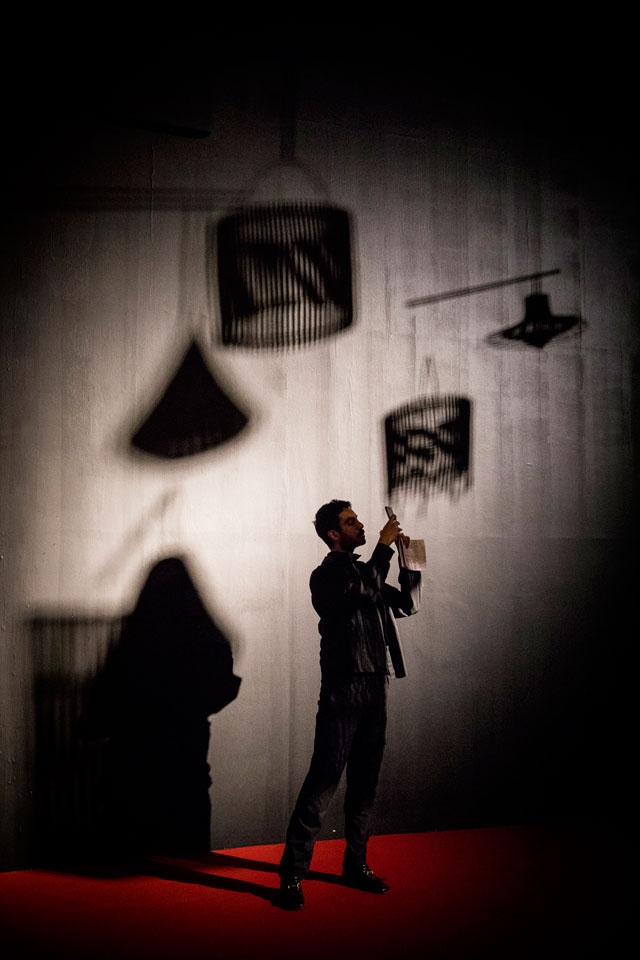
x=415 y=555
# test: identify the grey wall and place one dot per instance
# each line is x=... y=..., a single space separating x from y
x=454 y=175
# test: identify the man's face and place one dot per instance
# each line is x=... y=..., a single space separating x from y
x=351 y=531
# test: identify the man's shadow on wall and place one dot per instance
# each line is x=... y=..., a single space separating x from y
x=121 y=765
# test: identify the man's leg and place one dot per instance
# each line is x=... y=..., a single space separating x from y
x=363 y=769
x=336 y=724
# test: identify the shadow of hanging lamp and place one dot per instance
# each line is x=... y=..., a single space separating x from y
x=283 y=261
x=194 y=414
x=428 y=443
x=539 y=325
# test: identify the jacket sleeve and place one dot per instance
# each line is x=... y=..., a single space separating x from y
x=405 y=601
x=341 y=589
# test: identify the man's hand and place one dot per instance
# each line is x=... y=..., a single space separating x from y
x=391 y=531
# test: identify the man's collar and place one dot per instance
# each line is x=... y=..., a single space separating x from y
x=348 y=557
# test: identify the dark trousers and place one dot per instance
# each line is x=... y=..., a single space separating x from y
x=350 y=731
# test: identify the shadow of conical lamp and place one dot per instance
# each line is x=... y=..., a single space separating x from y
x=193 y=415
x=539 y=325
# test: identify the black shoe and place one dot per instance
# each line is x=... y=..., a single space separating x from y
x=290 y=896
x=363 y=878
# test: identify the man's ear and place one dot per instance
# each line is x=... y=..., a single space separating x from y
x=333 y=535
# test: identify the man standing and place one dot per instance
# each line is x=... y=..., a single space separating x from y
x=359 y=649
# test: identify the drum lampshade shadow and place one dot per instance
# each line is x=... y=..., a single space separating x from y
x=428 y=444
x=284 y=274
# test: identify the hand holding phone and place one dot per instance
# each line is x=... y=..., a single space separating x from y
x=392 y=533
x=400 y=539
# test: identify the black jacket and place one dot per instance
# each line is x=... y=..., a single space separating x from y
x=356 y=609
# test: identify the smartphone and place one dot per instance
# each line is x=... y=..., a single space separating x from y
x=399 y=543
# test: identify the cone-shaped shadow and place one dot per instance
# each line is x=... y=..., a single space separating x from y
x=193 y=415
x=538 y=327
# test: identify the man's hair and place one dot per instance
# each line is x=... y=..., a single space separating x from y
x=327 y=518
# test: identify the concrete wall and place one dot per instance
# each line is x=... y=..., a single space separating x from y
x=449 y=183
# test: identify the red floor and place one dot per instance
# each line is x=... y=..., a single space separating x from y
x=517 y=892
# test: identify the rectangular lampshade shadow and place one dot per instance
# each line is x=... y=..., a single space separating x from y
x=427 y=446
x=284 y=274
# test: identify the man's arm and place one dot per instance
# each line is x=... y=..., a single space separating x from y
x=337 y=590
x=341 y=588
